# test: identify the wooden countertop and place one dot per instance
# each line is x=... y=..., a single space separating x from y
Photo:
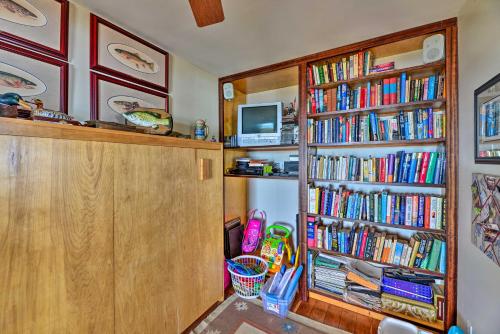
x=27 y=128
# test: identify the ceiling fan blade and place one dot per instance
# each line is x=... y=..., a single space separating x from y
x=207 y=12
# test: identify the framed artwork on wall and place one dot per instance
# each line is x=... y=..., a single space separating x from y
x=38 y=25
x=34 y=76
x=487 y=122
x=111 y=97
x=117 y=52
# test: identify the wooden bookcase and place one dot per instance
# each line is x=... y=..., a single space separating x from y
x=395 y=45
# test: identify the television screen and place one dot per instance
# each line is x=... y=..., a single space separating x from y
x=259 y=119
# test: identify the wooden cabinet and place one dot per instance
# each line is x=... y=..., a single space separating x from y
x=106 y=235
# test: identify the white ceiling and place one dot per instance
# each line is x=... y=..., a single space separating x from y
x=261 y=32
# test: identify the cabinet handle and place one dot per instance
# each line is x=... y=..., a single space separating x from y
x=204 y=169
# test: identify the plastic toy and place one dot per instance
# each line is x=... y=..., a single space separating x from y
x=274 y=247
x=253 y=231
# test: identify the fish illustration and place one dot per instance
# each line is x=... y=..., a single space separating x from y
x=147 y=119
x=14 y=81
x=127 y=105
x=135 y=59
x=17 y=9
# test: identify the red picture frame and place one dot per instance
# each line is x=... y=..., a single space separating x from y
x=63 y=70
x=94 y=92
x=95 y=21
x=62 y=53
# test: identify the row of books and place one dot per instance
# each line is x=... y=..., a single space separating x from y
x=402 y=167
x=406 y=125
x=354 y=66
x=424 y=250
x=489 y=118
x=383 y=92
x=416 y=210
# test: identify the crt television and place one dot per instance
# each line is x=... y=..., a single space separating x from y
x=259 y=124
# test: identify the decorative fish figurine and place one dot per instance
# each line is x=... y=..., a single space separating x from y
x=148 y=119
x=14 y=81
x=16 y=8
x=135 y=59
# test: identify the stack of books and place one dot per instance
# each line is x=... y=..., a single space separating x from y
x=388 y=91
x=402 y=167
x=382 y=67
x=354 y=66
x=329 y=274
x=425 y=251
x=363 y=284
x=406 y=125
x=383 y=207
x=411 y=294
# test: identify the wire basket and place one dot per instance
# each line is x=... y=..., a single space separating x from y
x=249 y=287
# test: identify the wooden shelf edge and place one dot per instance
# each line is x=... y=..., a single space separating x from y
x=387 y=108
x=412 y=142
x=326 y=297
x=423 y=271
x=381 y=75
x=275 y=177
x=395 y=226
x=390 y=184
x=265 y=148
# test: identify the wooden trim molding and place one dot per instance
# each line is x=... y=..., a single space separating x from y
x=26 y=128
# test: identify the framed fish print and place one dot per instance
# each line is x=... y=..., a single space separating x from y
x=111 y=98
x=38 y=25
x=117 y=52
x=34 y=76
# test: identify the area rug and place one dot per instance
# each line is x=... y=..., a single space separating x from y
x=240 y=316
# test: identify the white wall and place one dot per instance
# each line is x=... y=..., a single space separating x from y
x=479 y=61
x=193 y=91
x=279 y=198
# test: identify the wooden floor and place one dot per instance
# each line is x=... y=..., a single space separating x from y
x=335 y=316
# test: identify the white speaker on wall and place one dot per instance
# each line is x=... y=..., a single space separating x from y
x=433 y=48
x=227 y=88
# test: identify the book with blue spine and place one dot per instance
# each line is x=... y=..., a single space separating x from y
x=413 y=168
x=430 y=89
x=402 y=92
x=321 y=101
x=384 y=207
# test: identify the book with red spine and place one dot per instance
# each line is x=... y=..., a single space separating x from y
x=425 y=166
x=393 y=90
x=363 y=243
x=427 y=212
x=362 y=98
x=386 y=91
x=381 y=175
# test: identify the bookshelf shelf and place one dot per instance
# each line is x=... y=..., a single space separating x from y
x=382 y=109
x=392 y=184
x=275 y=177
x=381 y=75
x=266 y=148
x=423 y=271
x=414 y=142
x=493 y=139
x=438 y=325
x=367 y=222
